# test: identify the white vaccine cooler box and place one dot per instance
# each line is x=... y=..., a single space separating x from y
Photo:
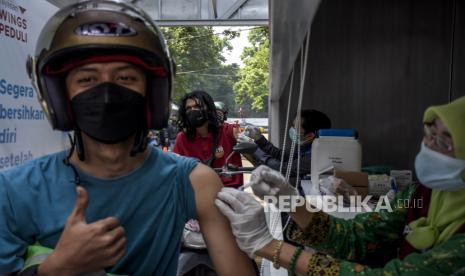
x=337 y=149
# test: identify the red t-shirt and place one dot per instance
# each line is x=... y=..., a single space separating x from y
x=201 y=148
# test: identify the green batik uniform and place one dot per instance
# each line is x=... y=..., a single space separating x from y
x=345 y=245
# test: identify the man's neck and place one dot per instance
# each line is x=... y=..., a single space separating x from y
x=203 y=130
x=108 y=160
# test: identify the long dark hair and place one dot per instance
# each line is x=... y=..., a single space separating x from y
x=205 y=101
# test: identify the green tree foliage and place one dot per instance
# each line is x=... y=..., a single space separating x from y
x=252 y=85
x=199 y=62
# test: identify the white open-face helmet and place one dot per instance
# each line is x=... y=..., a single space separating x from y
x=100 y=30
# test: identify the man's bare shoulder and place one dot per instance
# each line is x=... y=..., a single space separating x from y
x=205 y=180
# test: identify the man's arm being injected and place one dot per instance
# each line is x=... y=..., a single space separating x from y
x=226 y=255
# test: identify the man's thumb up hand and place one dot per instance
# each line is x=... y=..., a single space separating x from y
x=79 y=211
x=87 y=247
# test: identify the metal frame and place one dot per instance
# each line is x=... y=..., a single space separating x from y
x=232 y=22
x=233 y=9
x=215 y=13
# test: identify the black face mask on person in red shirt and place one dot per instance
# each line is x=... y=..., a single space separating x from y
x=196 y=118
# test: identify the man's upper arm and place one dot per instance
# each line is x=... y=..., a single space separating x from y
x=270 y=149
x=226 y=255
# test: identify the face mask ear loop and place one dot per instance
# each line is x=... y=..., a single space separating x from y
x=140 y=142
x=77 y=179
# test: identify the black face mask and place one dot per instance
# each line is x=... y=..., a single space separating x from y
x=196 y=118
x=109 y=113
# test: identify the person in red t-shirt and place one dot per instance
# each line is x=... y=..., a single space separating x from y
x=204 y=137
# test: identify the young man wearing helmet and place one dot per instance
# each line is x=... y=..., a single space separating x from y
x=102 y=70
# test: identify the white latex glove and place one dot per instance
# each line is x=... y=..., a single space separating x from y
x=242 y=138
x=247 y=219
x=337 y=186
x=266 y=181
x=253 y=132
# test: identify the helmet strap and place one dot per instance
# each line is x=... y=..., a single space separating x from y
x=140 y=141
x=77 y=179
x=79 y=144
